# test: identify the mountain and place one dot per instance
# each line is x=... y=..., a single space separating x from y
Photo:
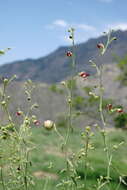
x=57 y=66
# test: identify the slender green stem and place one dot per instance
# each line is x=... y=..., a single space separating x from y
x=10 y=120
x=71 y=82
x=100 y=73
x=25 y=170
x=102 y=185
x=46 y=184
x=70 y=106
x=86 y=157
x=107 y=43
x=103 y=123
x=109 y=157
x=57 y=132
x=73 y=55
x=118 y=186
x=101 y=96
x=8 y=114
x=2 y=179
x=70 y=127
x=3 y=95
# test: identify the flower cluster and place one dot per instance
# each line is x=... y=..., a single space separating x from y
x=110 y=108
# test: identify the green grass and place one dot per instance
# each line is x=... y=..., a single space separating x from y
x=48 y=160
x=48 y=157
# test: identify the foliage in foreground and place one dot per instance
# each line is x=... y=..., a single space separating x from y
x=65 y=159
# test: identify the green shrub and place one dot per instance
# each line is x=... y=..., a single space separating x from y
x=122 y=64
x=121 y=121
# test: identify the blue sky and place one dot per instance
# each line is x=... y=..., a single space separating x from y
x=34 y=28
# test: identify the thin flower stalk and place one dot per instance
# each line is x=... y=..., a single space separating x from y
x=70 y=87
x=72 y=76
x=86 y=157
x=101 y=90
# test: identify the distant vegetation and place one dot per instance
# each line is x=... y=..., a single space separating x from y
x=122 y=64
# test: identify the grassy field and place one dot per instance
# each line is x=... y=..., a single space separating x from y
x=48 y=160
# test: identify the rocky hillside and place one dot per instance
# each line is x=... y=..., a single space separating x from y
x=52 y=99
x=56 y=66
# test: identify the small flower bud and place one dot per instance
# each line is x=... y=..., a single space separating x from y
x=87 y=128
x=115 y=147
x=70 y=37
x=18 y=169
x=36 y=106
x=114 y=38
x=103 y=132
x=18 y=113
x=90 y=93
x=100 y=46
x=3 y=103
x=2 y=52
x=29 y=98
x=63 y=83
x=36 y=122
x=69 y=53
x=27 y=121
x=83 y=154
x=15 y=76
x=69 y=100
x=109 y=107
x=8 y=48
x=6 y=81
x=33 y=117
x=105 y=149
x=48 y=124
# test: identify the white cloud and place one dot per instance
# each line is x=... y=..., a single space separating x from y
x=83 y=31
x=85 y=27
x=117 y=26
x=60 y=23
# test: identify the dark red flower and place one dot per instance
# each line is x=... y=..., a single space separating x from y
x=69 y=53
x=18 y=113
x=84 y=74
x=119 y=110
x=109 y=106
x=100 y=46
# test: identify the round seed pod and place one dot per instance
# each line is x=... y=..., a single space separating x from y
x=48 y=124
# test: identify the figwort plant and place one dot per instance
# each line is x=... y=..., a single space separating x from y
x=81 y=158
x=16 y=146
